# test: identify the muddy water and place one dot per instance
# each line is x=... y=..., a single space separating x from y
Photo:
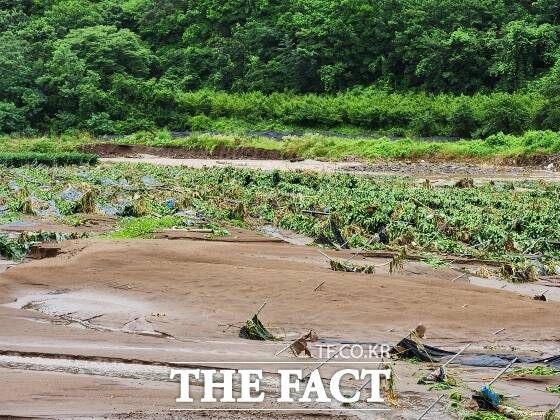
x=420 y=170
x=102 y=311
x=86 y=367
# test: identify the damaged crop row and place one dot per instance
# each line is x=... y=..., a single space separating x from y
x=512 y=223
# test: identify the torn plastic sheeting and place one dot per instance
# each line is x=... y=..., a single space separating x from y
x=150 y=182
x=14 y=186
x=71 y=195
x=45 y=208
x=410 y=348
x=109 y=211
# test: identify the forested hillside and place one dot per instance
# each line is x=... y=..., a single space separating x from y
x=121 y=66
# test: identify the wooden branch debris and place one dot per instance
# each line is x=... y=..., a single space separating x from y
x=417 y=257
x=315 y=212
x=430 y=407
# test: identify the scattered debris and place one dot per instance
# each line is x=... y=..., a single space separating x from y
x=536 y=371
x=304 y=379
x=465 y=183
x=110 y=211
x=333 y=223
x=430 y=407
x=70 y=195
x=487 y=399
x=351 y=268
x=458 y=277
x=315 y=212
x=319 y=285
x=300 y=345
x=484 y=272
x=440 y=374
x=390 y=384
x=413 y=347
x=86 y=203
x=18 y=248
x=541 y=297
x=523 y=272
x=396 y=263
x=255 y=330
x=418 y=332
x=387 y=384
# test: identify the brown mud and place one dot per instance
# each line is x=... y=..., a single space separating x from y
x=89 y=331
x=86 y=223
x=529 y=168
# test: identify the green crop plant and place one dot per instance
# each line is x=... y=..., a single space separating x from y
x=497 y=222
x=47 y=159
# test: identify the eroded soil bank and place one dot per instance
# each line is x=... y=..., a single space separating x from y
x=253 y=158
x=440 y=173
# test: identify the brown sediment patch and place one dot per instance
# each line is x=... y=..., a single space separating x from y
x=439 y=174
x=221 y=152
x=539 y=160
x=87 y=224
x=44 y=250
x=199 y=284
x=182 y=291
x=234 y=235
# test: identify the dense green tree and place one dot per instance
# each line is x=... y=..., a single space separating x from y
x=101 y=63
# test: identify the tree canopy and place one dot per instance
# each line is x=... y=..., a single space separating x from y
x=64 y=62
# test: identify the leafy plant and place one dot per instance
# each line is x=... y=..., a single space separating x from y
x=537 y=370
x=47 y=159
x=553 y=389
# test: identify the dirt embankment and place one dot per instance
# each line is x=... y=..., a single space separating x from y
x=253 y=158
x=106 y=150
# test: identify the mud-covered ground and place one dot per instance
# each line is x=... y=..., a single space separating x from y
x=95 y=330
x=92 y=327
x=252 y=158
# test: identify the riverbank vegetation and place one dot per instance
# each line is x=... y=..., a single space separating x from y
x=533 y=147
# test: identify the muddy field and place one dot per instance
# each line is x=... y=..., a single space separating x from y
x=92 y=327
x=94 y=330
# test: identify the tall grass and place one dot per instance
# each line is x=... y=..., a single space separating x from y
x=318 y=146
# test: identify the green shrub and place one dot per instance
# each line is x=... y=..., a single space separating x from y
x=199 y=123
x=424 y=125
x=462 y=121
x=100 y=123
x=12 y=118
x=47 y=159
x=541 y=141
x=505 y=115
x=548 y=116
